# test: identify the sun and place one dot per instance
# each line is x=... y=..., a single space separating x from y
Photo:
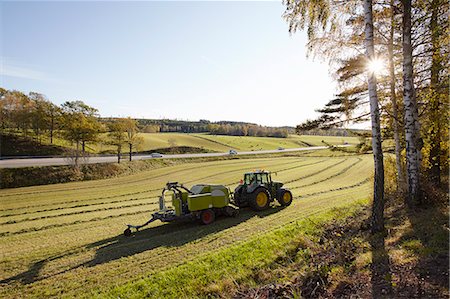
x=376 y=66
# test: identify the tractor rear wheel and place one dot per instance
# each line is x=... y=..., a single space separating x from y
x=284 y=197
x=207 y=216
x=260 y=199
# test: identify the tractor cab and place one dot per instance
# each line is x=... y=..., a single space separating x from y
x=260 y=177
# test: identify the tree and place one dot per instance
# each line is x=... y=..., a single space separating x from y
x=437 y=95
x=323 y=16
x=80 y=125
x=88 y=127
x=132 y=138
x=412 y=126
x=378 y=195
x=116 y=135
x=40 y=115
x=393 y=96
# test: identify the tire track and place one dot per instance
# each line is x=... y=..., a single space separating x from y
x=74 y=213
x=316 y=173
x=330 y=177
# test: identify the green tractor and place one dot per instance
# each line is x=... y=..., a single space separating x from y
x=257 y=190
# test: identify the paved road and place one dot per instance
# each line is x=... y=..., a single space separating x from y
x=33 y=161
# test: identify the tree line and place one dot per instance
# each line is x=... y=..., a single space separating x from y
x=407 y=102
x=34 y=116
x=216 y=128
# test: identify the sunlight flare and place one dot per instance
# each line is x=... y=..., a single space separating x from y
x=376 y=66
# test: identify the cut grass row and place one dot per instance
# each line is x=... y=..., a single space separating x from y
x=150 y=180
x=114 y=215
x=81 y=209
x=93 y=255
x=133 y=183
x=63 y=219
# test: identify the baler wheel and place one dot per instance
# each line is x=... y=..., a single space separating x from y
x=207 y=216
x=127 y=232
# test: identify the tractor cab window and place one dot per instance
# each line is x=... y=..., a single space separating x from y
x=264 y=178
x=258 y=178
x=249 y=178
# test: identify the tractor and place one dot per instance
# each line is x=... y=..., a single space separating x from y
x=202 y=202
x=257 y=190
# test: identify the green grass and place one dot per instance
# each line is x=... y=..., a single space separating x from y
x=216 y=273
x=58 y=239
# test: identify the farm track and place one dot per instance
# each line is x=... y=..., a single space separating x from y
x=132 y=193
x=90 y=253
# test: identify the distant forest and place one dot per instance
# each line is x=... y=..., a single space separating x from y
x=231 y=128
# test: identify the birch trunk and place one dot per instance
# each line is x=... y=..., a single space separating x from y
x=398 y=148
x=378 y=192
x=412 y=135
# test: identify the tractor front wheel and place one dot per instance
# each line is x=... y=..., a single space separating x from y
x=284 y=197
x=260 y=199
x=207 y=216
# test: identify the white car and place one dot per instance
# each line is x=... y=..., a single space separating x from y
x=156 y=155
x=232 y=152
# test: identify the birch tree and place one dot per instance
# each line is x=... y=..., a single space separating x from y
x=412 y=126
x=316 y=15
x=378 y=194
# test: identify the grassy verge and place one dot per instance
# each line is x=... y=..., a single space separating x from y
x=221 y=273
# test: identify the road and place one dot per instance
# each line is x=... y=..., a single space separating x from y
x=33 y=161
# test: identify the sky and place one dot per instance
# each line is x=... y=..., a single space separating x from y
x=187 y=60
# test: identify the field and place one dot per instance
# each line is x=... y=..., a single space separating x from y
x=58 y=239
x=218 y=143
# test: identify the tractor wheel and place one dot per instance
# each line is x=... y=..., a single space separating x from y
x=127 y=232
x=207 y=216
x=284 y=197
x=260 y=199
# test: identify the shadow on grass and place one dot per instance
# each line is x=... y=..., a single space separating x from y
x=167 y=235
x=380 y=267
x=429 y=241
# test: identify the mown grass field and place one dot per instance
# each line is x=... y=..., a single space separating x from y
x=66 y=239
x=218 y=143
